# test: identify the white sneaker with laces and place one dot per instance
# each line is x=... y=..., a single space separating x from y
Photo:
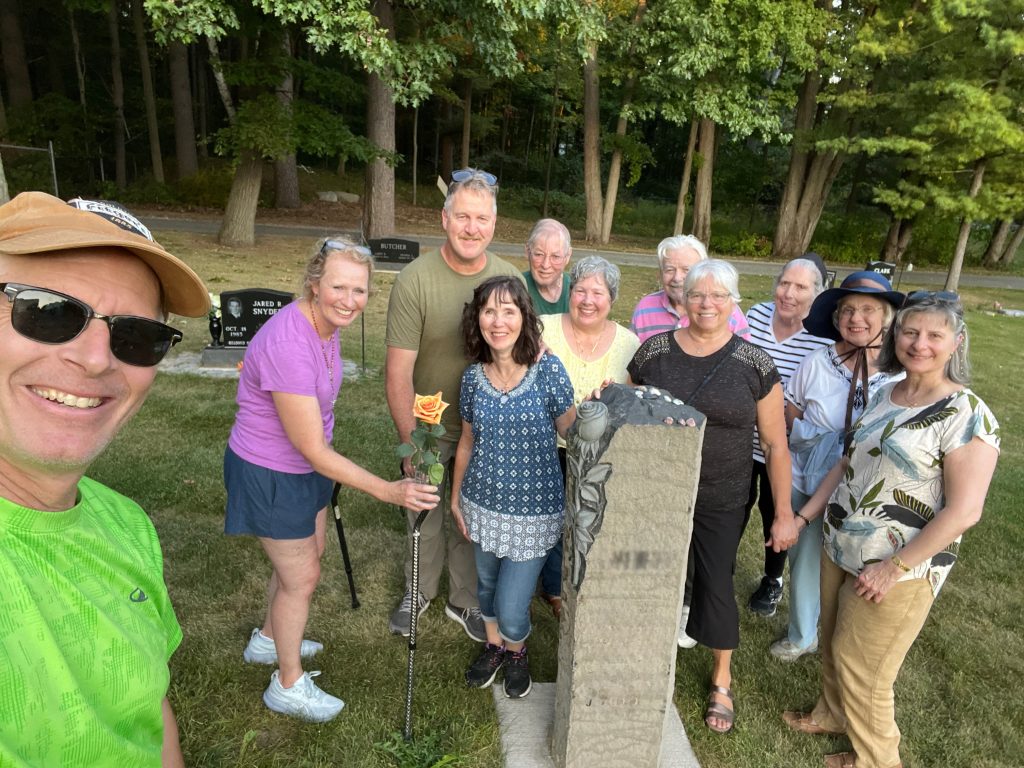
x=263 y=650
x=303 y=700
x=785 y=650
x=684 y=640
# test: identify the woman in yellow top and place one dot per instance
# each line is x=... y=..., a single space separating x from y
x=594 y=351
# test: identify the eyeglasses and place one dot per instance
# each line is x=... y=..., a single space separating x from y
x=50 y=317
x=554 y=258
x=465 y=174
x=719 y=297
x=866 y=312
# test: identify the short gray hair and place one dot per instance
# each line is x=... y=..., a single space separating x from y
x=958 y=367
x=545 y=226
x=678 y=242
x=589 y=266
x=477 y=182
x=807 y=264
x=722 y=272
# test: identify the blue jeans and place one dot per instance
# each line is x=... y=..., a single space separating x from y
x=551 y=573
x=505 y=588
x=804 y=578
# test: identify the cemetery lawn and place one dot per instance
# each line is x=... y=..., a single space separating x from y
x=960 y=697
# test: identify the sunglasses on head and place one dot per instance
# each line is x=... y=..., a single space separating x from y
x=914 y=296
x=338 y=245
x=50 y=317
x=465 y=174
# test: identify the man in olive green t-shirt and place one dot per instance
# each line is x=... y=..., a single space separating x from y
x=424 y=356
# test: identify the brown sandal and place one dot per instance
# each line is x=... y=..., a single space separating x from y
x=841 y=760
x=804 y=723
x=719 y=710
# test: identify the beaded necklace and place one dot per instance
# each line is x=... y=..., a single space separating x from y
x=323 y=346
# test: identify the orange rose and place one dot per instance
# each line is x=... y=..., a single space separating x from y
x=428 y=408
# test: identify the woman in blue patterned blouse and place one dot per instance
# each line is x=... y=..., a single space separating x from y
x=507 y=488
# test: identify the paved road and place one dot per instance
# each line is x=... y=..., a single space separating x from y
x=912 y=279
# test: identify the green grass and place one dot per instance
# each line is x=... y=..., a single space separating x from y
x=959 y=698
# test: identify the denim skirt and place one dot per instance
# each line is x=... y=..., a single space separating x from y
x=270 y=504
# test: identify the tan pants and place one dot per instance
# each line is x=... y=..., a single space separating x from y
x=863 y=645
x=461 y=562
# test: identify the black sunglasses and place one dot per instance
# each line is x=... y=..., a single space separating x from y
x=465 y=174
x=50 y=317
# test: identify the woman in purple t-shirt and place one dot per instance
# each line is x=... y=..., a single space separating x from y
x=280 y=468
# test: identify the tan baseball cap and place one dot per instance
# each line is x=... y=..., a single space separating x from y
x=37 y=223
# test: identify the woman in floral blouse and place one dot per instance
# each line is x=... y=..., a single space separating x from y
x=913 y=480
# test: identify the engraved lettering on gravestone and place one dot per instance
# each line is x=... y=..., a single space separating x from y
x=588 y=438
x=247 y=310
x=394 y=250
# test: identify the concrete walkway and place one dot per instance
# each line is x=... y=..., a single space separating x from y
x=744 y=267
x=526 y=726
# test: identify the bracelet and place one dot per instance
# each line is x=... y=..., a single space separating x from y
x=900 y=564
x=807 y=523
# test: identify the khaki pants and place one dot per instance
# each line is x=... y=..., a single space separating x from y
x=863 y=645
x=461 y=563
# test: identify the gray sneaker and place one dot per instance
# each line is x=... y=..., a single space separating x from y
x=303 y=700
x=402 y=615
x=470 y=619
x=784 y=650
x=262 y=650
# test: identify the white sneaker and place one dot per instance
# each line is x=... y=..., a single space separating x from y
x=784 y=650
x=303 y=700
x=262 y=650
x=684 y=640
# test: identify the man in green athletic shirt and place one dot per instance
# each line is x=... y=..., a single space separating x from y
x=86 y=625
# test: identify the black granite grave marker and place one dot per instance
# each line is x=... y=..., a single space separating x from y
x=244 y=312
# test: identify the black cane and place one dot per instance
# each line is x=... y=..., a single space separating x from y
x=344 y=544
x=413 y=620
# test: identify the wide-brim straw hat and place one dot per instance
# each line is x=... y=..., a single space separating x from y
x=35 y=223
x=819 y=320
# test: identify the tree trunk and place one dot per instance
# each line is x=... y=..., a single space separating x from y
x=5 y=193
x=156 y=157
x=957 y=264
x=467 y=113
x=808 y=181
x=447 y=143
x=415 y=151
x=76 y=51
x=286 y=172
x=684 y=184
x=12 y=42
x=897 y=240
x=997 y=244
x=239 y=226
x=181 y=98
x=213 y=55
x=201 y=100
x=552 y=141
x=379 y=192
x=859 y=172
x=1011 y=250
x=592 y=144
x=705 y=175
x=117 y=96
